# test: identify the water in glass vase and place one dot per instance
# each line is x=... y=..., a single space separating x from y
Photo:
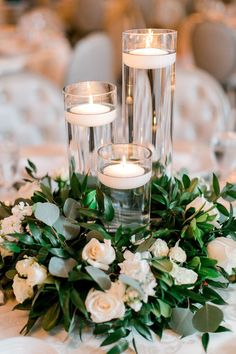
x=131 y=206
x=148 y=89
x=83 y=143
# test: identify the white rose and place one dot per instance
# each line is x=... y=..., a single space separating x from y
x=21 y=210
x=134 y=266
x=183 y=275
x=37 y=274
x=104 y=306
x=21 y=289
x=223 y=249
x=99 y=254
x=27 y=190
x=177 y=254
x=160 y=248
x=23 y=266
x=117 y=289
x=201 y=203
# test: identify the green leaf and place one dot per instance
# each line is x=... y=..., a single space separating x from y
x=205 y=340
x=216 y=185
x=71 y=208
x=101 y=278
x=67 y=227
x=121 y=347
x=51 y=317
x=115 y=336
x=10 y=246
x=207 y=318
x=181 y=321
x=59 y=252
x=165 y=308
x=11 y=273
x=163 y=265
x=144 y=246
x=96 y=227
x=186 y=181
x=94 y=234
x=48 y=213
x=142 y=329
x=131 y=282
x=78 y=302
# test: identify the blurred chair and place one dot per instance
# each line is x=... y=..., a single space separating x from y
x=201 y=111
x=92 y=59
x=31 y=110
x=214 y=49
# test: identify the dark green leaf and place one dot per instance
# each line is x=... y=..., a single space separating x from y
x=205 y=340
x=77 y=301
x=51 y=317
x=216 y=185
x=121 y=347
x=115 y=336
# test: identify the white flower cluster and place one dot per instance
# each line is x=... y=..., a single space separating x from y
x=136 y=266
x=30 y=273
x=176 y=255
x=12 y=224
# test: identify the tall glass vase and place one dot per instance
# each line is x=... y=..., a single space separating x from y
x=148 y=88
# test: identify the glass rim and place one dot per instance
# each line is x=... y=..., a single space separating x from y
x=113 y=89
x=151 y=31
x=125 y=144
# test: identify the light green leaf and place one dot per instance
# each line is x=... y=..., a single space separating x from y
x=162 y=264
x=131 y=282
x=101 y=278
x=48 y=213
x=207 y=318
x=181 y=321
x=165 y=309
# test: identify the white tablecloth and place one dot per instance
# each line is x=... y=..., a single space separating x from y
x=11 y=323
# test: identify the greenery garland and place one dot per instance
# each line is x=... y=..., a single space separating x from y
x=65 y=268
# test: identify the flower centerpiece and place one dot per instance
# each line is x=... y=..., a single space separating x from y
x=65 y=268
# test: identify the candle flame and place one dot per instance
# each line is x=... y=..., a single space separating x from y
x=123 y=161
x=149 y=39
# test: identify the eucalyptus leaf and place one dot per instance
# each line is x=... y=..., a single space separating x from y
x=181 y=321
x=67 y=227
x=48 y=213
x=131 y=282
x=207 y=318
x=101 y=278
x=71 y=208
x=61 y=267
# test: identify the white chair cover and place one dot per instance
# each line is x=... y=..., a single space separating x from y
x=214 y=48
x=92 y=60
x=31 y=110
x=201 y=110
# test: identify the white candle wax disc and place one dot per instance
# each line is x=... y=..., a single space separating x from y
x=90 y=115
x=124 y=176
x=148 y=58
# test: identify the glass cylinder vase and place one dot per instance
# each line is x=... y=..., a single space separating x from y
x=148 y=88
x=90 y=112
x=124 y=174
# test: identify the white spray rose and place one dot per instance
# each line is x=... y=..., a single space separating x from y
x=21 y=210
x=160 y=248
x=104 y=306
x=10 y=225
x=177 y=254
x=99 y=254
x=133 y=299
x=23 y=266
x=21 y=289
x=134 y=266
x=183 y=275
x=223 y=249
x=35 y=273
x=205 y=206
